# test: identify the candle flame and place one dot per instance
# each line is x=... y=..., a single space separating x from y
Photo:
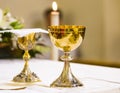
x=54 y=6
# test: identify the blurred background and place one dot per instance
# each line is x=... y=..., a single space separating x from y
x=101 y=18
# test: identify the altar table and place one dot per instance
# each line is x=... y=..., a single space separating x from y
x=95 y=79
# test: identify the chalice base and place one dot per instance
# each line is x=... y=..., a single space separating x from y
x=26 y=76
x=66 y=82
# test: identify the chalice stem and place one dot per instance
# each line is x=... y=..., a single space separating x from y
x=66 y=68
x=66 y=79
x=26 y=57
x=66 y=74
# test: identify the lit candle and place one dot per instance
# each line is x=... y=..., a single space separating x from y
x=54 y=17
x=54 y=20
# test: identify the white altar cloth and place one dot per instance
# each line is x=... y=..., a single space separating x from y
x=96 y=79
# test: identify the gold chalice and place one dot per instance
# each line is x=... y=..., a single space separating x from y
x=66 y=38
x=26 y=43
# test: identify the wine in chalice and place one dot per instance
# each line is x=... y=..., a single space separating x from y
x=66 y=38
x=26 y=43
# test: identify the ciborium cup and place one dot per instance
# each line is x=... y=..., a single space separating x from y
x=66 y=38
x=26 y=43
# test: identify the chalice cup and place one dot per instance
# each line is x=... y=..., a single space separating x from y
x=26 y=43
x=66 y=38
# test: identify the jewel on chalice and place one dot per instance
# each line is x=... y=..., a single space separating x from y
x=66 y=38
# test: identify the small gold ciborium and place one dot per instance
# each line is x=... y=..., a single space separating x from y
x=66 y=38
x=26 y=43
